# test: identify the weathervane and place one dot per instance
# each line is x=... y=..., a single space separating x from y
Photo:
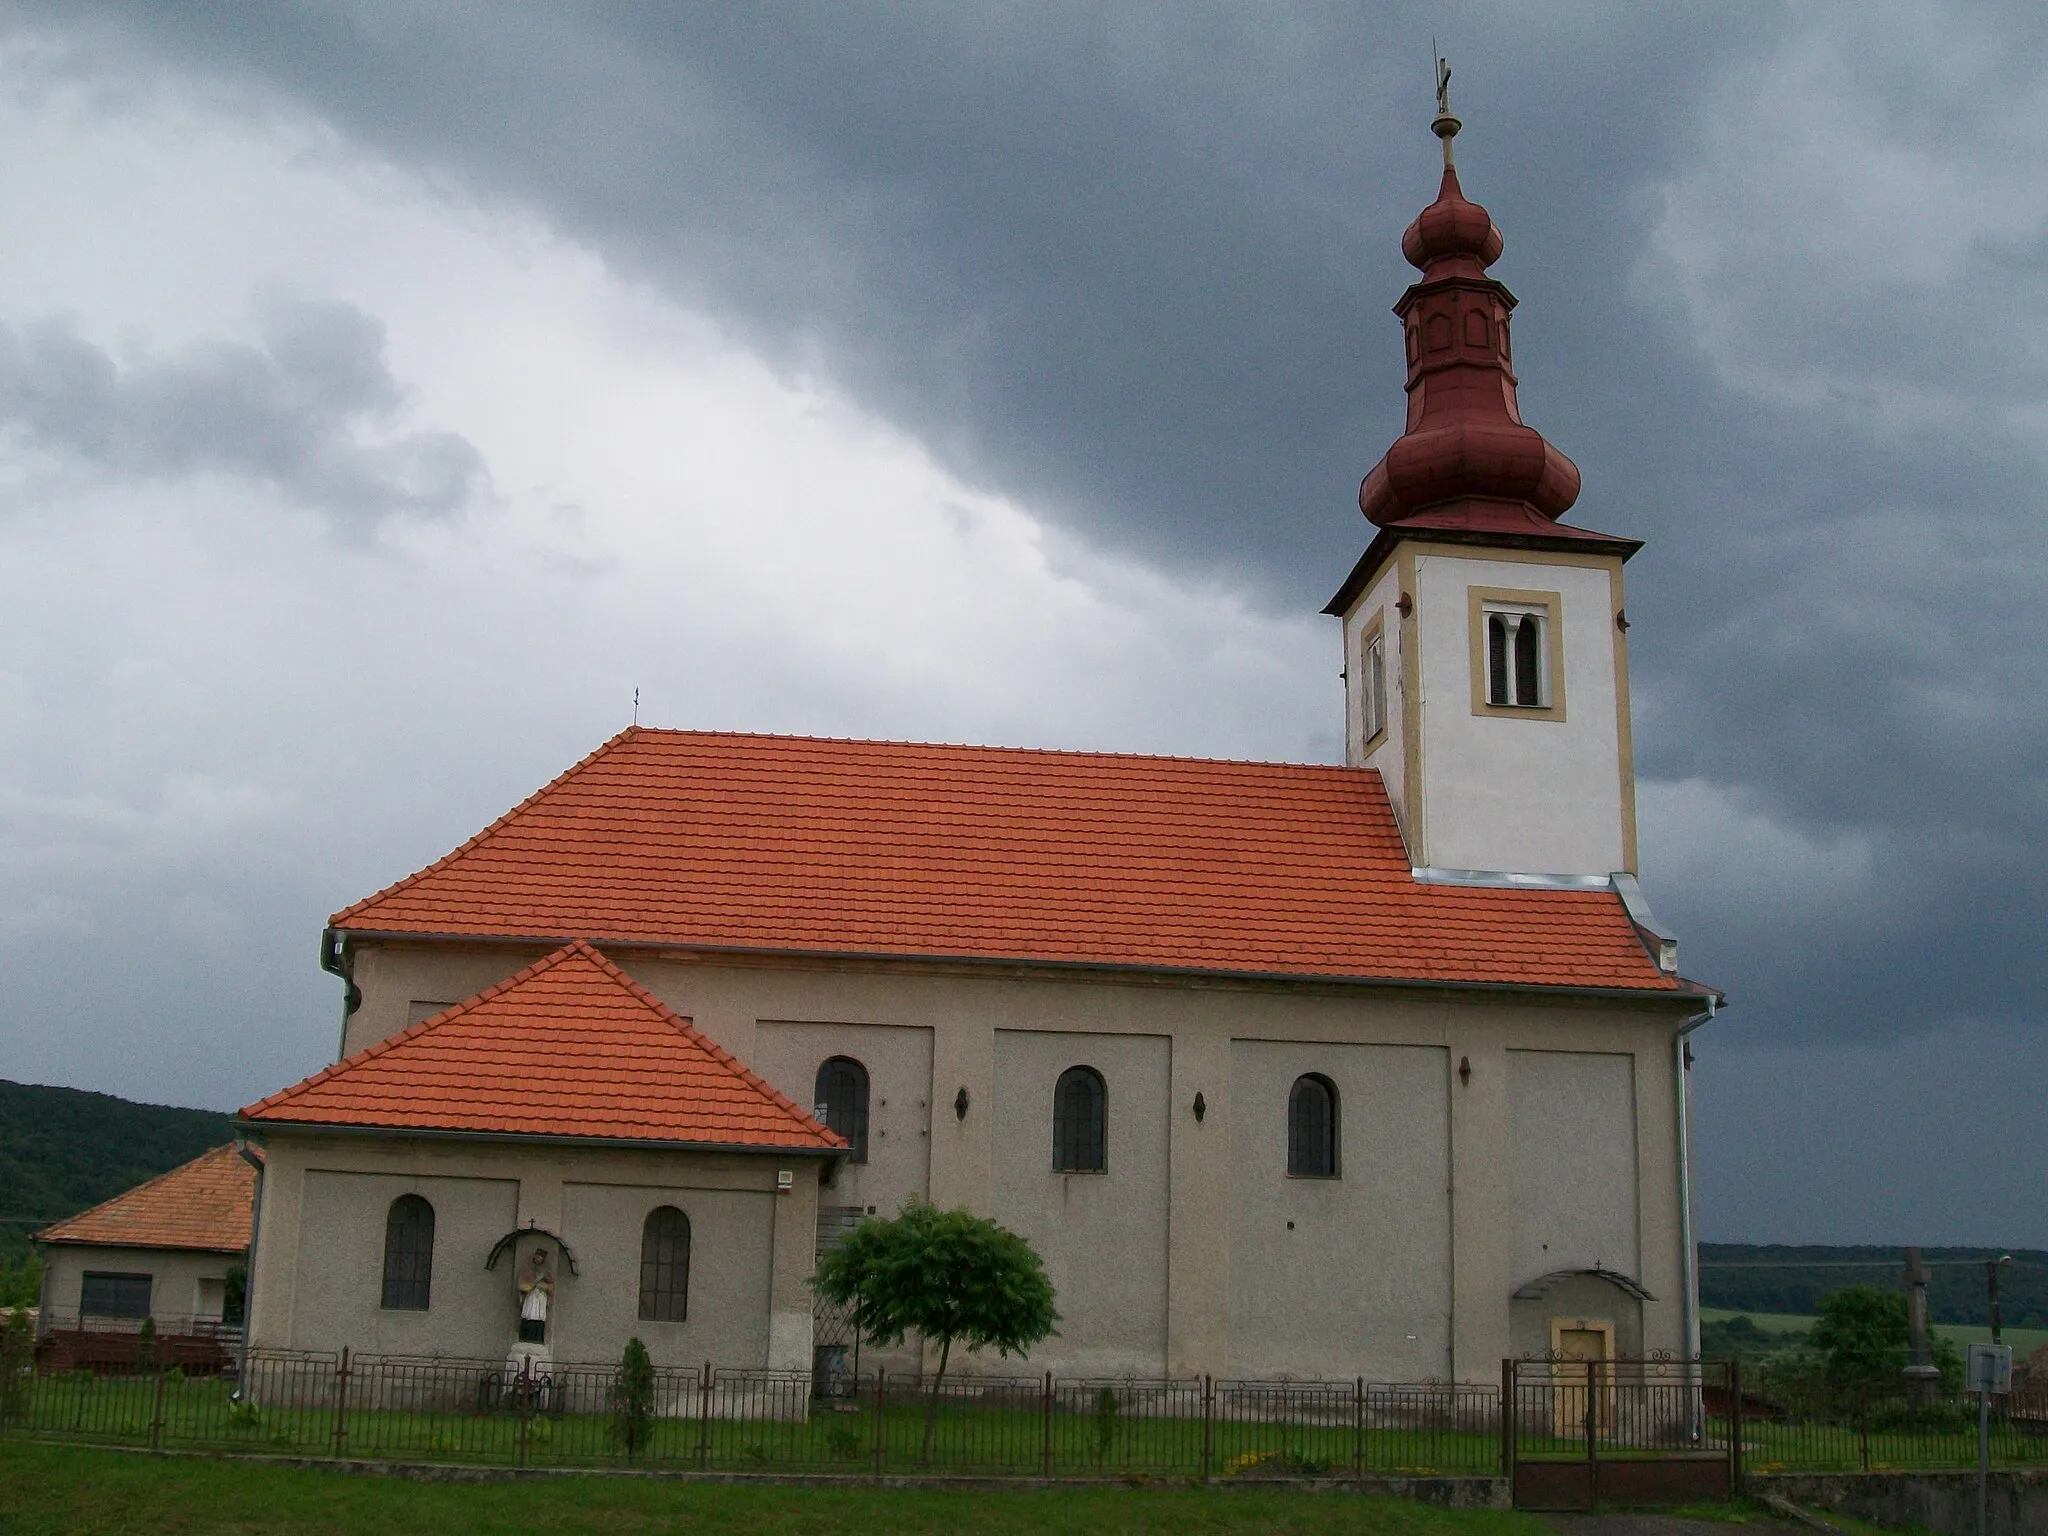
x=1445 y=125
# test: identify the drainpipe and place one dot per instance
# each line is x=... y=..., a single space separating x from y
x=1689 y=1249
x=336 y=959
x=242 y=1149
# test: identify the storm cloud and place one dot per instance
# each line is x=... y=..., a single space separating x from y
x=1128 y=267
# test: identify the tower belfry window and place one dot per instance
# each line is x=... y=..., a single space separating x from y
x=1372 y=682
x=1517 y=658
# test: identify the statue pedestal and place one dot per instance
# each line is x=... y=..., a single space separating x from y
x=528 y=1360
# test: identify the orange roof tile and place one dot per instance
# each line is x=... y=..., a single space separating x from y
x=207 y=1204
x=722 y=840
x=570 y=1046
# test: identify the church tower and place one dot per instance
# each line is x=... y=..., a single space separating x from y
x=1485 y=645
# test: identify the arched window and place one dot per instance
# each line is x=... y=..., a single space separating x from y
x=1515 y=667
x=408 y=1254
x=842 y=1100
x=1080 y=1116
x=1312 y=1127
x=665 y=1266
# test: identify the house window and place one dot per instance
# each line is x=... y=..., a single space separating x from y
x=1312 y=1128
x=842 y=1100
x=1517 y=658
x=665 y=1266
x=1080 y=1112
x=107 y=1295
x=408 y=1254
x=1372 y=683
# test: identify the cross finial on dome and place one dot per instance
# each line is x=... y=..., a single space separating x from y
x=1445 y=124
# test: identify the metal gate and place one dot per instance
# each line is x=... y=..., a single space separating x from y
x=1576 y=1433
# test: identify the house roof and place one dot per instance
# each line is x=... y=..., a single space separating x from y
x=795 y=844
x=207 y=1204
x=570 y=1046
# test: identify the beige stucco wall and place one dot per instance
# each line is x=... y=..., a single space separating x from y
x=1189 y=1036
x=1530 y=794
x=176 y=1275
x=318 y=1267
x=899 y=1067
x=1351 y=1275
x=1103 y=1236
x=1572 y=1152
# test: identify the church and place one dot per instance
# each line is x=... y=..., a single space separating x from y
x=1326 y=1071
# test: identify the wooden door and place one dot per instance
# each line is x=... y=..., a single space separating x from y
x=1585 y=1353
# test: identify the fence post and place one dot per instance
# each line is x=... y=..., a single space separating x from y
x=341 y=1375
x=1358 y=1428
x=704 y=1418
x=156 y=1413
x=1735 y=1428
x=1863 y=1429
x=1208 y=1426
x=1507 y=1420
x=520 y=1408
x=1592 y=1433
x=881 y=1412
x=1045 y=1436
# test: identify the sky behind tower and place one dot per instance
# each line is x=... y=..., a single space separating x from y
x=388 y=391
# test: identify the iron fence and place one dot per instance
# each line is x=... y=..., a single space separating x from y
x=1615 y=1418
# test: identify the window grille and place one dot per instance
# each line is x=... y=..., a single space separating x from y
x=408 y=1254
x=109 y=1295
x=665 y=1266
x=1312 y=1127
x=1515 y=661
x=1080 y=1112
x=842 y=1100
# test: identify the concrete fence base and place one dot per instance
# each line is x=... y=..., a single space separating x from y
x=1944 y=1502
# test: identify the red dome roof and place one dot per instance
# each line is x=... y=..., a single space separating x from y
x=1465 y=443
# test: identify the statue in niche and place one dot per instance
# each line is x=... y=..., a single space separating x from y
x=536 y=1291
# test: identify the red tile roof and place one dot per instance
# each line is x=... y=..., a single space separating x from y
x=206 y=1204
x=728 y=841
x=570 y=1046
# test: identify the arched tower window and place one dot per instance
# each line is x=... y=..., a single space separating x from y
x=1516 y=673
x=408 y=1254
x=1080 y=1122
x=842 y=1102
x=665 y=1266
x=1312 y=1127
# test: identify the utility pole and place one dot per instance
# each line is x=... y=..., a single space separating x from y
x=1991 y=1269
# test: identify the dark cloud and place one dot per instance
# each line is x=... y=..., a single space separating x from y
x=1133 y=262
x=310 y=411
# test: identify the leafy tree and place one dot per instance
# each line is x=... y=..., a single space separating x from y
x=633 y=1400
x=21 y=1282
x=235 y=1295
x=17 y=1361
x=945 y=1276
x=1865 y=1336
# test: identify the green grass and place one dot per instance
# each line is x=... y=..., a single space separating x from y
x=51 y=1489
x=2024 y=1341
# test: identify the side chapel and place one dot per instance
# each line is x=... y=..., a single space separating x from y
x=1376 y=1069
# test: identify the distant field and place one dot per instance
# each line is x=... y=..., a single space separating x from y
x=2024 y=1341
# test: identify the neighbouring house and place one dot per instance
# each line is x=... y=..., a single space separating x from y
x=167 y=1251
x=1365 y=1069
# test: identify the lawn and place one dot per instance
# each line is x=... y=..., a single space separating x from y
x=50 y=1489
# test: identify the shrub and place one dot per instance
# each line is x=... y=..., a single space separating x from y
x=632 y=1400
x=145 y=1345
x=1105 y=1421
x=17 y=1364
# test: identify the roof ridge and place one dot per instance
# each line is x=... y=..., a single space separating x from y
x=448 y=858
x=1085 y=753
x=131 y=1193
x=718 y=1052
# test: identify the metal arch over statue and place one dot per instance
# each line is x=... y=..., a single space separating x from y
x=518 y=1234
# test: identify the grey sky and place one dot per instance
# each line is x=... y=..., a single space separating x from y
x=1100 y=291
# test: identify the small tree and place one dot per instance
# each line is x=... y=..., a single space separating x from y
x=1865 y=1336
x=633 y=1400
x=17 y=1362
x=145 y=1345
x=945 y=1276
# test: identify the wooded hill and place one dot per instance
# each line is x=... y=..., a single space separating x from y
x=1767 y=1277
x=62 y=1150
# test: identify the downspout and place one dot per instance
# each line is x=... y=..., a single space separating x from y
x=337 y=959
x=249 y=1268
x=1689 y=1251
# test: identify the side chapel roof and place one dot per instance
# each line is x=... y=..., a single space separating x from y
x=732 y=842
x=570 y=1046
x=207 y=1204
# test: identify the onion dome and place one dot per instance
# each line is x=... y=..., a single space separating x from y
x=1466 y=452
